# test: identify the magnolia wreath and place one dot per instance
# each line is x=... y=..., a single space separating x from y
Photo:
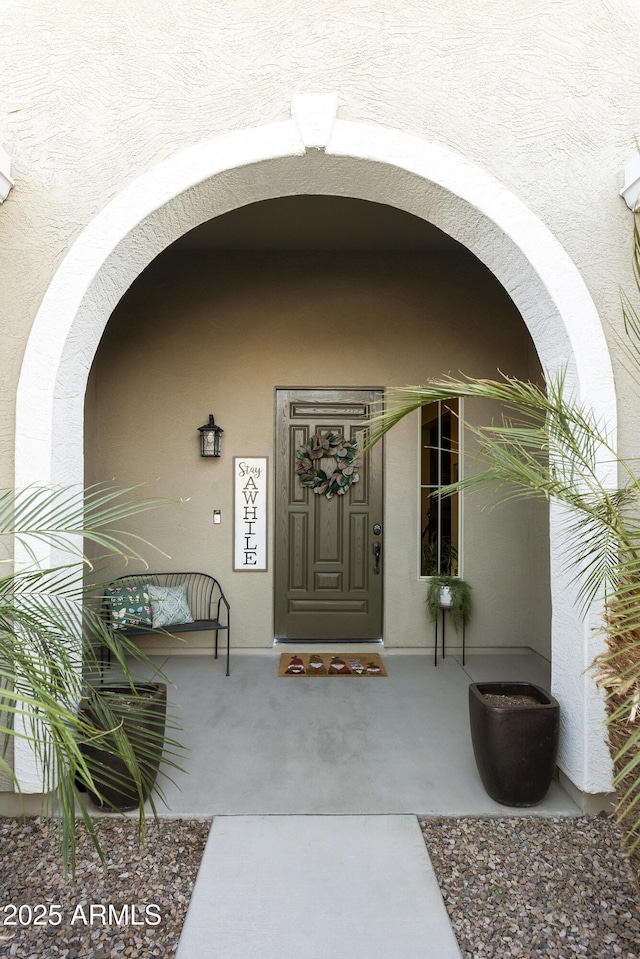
x=310 y=456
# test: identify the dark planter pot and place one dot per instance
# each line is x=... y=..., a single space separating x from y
x=143 y=717
x=515 y=746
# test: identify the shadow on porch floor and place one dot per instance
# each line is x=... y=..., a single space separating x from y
x=258 y=744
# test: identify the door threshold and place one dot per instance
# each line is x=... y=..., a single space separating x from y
x=327 y=642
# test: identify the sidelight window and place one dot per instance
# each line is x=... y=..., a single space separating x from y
x=440 y=465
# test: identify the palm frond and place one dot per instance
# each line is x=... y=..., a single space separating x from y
x=548 y=445
x=49 y=628
x=65 y=517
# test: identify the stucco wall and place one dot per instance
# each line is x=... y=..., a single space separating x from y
x=543 y=96
x=215 y=332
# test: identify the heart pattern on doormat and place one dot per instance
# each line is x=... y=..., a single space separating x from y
x=331 y=664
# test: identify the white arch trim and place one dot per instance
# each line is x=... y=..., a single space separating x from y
x=316 y=152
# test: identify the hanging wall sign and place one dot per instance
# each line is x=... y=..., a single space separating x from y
x=250 y=513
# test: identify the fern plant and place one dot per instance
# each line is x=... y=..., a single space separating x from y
x=460 y=595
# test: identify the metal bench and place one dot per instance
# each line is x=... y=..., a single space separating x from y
x=204 y=596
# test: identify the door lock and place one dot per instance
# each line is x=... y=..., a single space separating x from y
x=377 y=529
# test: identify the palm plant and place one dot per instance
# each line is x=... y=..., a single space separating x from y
x=49 y=637
x=549 y=445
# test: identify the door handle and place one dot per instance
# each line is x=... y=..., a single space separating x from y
x=377 y=550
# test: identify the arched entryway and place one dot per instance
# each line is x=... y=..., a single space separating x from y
x=317 y=153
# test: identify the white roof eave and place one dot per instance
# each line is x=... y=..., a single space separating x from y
x=631 y=189
x=5 y=179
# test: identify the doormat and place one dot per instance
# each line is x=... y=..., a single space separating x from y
x=328 y=664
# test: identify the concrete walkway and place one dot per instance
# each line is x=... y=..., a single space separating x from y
x=315 y=850
x=316 y=887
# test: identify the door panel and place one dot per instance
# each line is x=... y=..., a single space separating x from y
x=325 y=584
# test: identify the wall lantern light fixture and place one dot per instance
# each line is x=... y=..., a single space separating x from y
x=210 y=438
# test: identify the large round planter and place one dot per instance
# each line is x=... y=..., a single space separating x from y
x=142 y=713
x=515 y=746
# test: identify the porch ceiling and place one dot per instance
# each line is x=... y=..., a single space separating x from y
x=299 y=223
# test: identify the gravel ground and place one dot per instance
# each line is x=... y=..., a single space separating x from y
x=529 y=888
x=157 y=880
x=536 y=888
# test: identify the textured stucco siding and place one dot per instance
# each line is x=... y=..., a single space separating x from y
x=208 y=332
x=544 y=97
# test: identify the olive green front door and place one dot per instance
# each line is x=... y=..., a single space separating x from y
x=328 y=552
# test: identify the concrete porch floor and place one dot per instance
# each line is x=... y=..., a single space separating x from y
x=258 y=744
